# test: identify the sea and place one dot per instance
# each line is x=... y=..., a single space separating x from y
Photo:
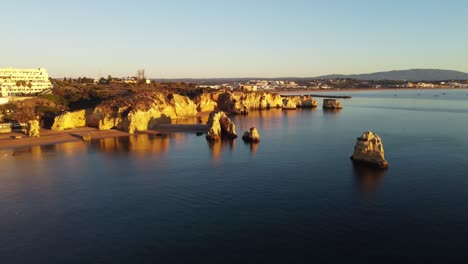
x=295 y=197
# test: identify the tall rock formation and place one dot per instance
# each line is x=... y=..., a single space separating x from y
x=369 y=151
x=219 y=125
x=32 y=128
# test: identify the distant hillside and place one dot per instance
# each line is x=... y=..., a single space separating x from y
x=405 y=75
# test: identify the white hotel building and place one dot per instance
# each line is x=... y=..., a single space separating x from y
x=16 y=82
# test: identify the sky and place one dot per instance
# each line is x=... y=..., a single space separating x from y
x=222 y=39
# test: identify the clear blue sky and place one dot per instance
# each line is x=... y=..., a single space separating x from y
x=233 y=38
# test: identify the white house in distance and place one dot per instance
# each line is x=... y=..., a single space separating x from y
x=17 y=82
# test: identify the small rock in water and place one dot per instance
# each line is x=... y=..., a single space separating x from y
x=369 y=151
x=332 y=104
x=251 y=136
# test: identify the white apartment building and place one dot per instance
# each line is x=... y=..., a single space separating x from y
x=16 y=82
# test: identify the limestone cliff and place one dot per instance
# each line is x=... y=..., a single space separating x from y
x=141 y=111
x=289 y=104
x=206 y=102
x=369 y=150
x=242 y=103
x=69 y=120
x=219 y=125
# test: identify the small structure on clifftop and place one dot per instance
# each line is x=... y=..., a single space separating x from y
x=332 y=104
x=219 y=124
x=369 y=151
x=251 y=136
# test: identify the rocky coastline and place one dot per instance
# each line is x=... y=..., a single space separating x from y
x=144 y=111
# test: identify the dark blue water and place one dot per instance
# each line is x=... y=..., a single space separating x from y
x=294 y=197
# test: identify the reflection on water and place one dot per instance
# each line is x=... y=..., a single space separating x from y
x=367 y=179
x=331 y=111
x=253 y=147
x=139 y=145
x=216 y=148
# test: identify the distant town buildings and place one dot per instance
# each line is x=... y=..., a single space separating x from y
x=17 y=82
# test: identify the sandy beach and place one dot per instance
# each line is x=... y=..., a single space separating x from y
x=15 y=140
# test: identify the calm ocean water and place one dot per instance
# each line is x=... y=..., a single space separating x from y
x=294 y=197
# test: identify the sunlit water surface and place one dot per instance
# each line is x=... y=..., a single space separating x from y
x=295 y=196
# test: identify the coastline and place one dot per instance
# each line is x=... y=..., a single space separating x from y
x=15 y=140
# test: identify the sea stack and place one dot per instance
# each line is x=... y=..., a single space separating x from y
x=219 y=124
x=32 y=128
x=369 y=151
x=251 y=136
x=332 y=104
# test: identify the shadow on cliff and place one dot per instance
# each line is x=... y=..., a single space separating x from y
x=164 y=119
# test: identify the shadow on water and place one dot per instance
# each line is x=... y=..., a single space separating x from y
x=367 y=179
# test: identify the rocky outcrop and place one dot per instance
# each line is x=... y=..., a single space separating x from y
x=332 y=104
x=369 y=151
x=69 y=120
x=32 y=128
x=289 y=104
x=220 y=125
x=242 y=103
x=141 y=111
x=206 y=102
x=307 y=102
x=251 y=136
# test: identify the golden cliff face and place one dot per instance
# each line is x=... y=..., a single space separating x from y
x=69 y=120
x=242 y=103
x=141 y=112
x=207 y=102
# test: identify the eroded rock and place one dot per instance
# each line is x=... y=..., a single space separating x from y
x=141 y=111
x=206 y=103
x=251 y=136
x=332 y=104
x=219 y=125
x=369 y=151
x=32 y=128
